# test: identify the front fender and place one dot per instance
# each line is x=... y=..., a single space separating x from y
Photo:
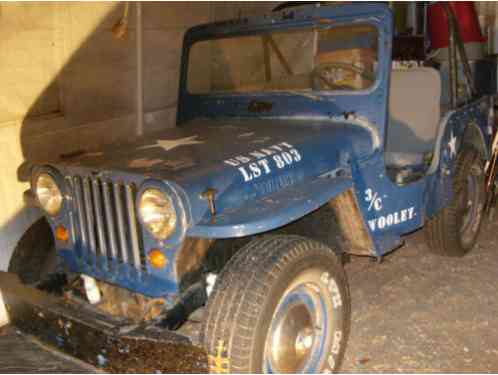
x=272 y=211
x=466 y=125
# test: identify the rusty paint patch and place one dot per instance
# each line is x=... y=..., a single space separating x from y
x=177 y=164
x=191 y=255
x=352 y=225
x=245 y=135
x=92 y=154
x=261 y=140
x=121 y=302
x=144 y=163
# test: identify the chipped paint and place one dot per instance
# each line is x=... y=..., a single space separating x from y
x=170 y=144
x=144 y=163
x=92 y=154
x=245 y=135
x=261 y=140
x=364 y=123
x=178 y=164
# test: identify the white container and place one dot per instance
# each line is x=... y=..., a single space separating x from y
x=4 y=316
x=91 y=289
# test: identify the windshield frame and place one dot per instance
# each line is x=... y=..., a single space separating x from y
x=327 y=18
x=321 y=25
x=290 y=103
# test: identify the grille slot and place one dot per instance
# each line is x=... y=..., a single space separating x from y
x=107 y=226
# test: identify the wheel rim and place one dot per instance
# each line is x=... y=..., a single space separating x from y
x=297 y=336
x=470 y=209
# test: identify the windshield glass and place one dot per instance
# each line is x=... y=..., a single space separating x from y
x=334 y=58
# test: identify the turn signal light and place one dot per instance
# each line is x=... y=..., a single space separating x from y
x=61 y=233
x=157 y=259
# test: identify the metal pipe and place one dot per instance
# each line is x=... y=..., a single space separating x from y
x=463 y=58
x=453 y=76
x=140 y=87
x=456 y=45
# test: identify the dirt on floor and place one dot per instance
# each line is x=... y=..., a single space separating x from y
x=413 y=312
x=419 y=312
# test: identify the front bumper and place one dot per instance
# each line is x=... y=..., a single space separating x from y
x=78 y=329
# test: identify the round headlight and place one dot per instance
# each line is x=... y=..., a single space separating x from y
x=157 y=213
x=48 y=194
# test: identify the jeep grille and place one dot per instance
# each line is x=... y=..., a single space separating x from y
x=107 y=226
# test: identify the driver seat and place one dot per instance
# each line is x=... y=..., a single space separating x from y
x=414 y=116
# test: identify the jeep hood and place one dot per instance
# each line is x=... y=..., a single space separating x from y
x=241 y=159
x=201 y=147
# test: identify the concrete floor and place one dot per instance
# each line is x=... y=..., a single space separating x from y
x=418 y=312
x=20 y=354
x=414 y=312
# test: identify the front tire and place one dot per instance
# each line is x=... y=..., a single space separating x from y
x=281 y=304
x=455 y=229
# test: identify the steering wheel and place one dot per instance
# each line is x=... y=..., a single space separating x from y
x=323 y=75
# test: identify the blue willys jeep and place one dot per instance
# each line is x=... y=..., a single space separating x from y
x=298 y=140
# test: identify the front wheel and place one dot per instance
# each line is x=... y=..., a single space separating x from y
x=454 y=230
x=281 y=305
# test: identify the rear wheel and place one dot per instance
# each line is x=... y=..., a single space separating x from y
x=280 y=305
x=455 y=229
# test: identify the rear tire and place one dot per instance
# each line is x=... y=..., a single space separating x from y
x=455 y=229
x=281 y=304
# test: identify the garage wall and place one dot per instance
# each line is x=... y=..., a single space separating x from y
x=68 y=84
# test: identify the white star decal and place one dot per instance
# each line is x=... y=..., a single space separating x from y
x=491 y=120
x=452 y=145
x=168 y=144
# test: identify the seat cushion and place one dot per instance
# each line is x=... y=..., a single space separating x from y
x=414 y=110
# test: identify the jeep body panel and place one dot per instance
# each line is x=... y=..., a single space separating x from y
x=264 y=178
x=284 y=155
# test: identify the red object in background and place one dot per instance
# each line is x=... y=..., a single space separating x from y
x=466 y=15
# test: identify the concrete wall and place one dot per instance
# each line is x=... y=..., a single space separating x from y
x=68 y=84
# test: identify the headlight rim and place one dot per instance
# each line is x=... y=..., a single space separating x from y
x=178 y=205
x=56 y=176
x=168 y=226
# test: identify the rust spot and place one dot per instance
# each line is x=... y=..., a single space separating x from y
x=191 y=255
x=144 y=163
x=352 y=224
x=124 y=303
x=178 y=164
x=363 y=361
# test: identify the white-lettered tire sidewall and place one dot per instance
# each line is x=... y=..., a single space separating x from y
x=338 y=309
